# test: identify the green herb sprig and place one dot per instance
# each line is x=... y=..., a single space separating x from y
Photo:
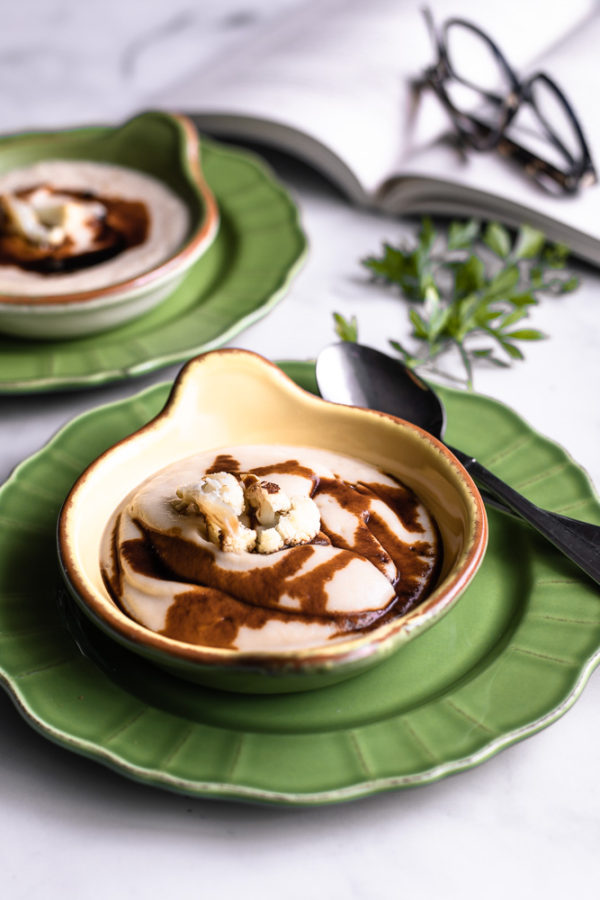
x=475 y=281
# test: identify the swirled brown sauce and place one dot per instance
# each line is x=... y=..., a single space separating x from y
x=100 y=228
x=77 y=225
x=375 y=554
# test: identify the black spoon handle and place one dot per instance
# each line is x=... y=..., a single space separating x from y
x=579 y=541
x=585 y=528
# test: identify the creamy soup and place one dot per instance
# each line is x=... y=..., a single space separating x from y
x=269 y=547
x=69 y=226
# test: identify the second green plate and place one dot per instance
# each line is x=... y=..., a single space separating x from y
x=244 y=273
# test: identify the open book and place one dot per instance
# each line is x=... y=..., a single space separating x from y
x=331 y=82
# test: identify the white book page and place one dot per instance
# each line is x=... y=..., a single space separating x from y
x=335 y=75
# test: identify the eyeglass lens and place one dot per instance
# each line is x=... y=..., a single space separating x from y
x=473 y=59
x=557 y=120
x=482 y=79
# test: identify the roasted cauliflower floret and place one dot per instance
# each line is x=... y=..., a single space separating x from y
x=237 y=539
x=302 y=523
x=297 y=521
x=219 y=499
x=212 y=492
x=268 y=540
x=19 y=217
x=266 y=499
x=227 y=509
x=45 y=217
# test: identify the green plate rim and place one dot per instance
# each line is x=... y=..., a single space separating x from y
x=585 y=659
x=284 y=270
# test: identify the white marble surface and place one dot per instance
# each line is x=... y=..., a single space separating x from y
x=525 y=823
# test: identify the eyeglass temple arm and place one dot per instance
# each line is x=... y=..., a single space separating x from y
x=433 y=32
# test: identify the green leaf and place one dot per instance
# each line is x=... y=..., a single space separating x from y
x=346 y=329
x=469 y=276
x=390 y=266
x=497 y=238
x=569 y=285
x=512 y=350
x=462 y=234
x=398 y=346
x=406 y=355
x=536 y=277
x=427 y=235
x=488 y=354
x=466 y=363
x=484 y=314
x=429 y=290
x=419 y=325
x=526 y=334
x=555 y=255
x=525 y=299
x=437 y=322
x=463 y=317
x=502 y=284
x=513 y=317
x=530 y=243
x=409 y=270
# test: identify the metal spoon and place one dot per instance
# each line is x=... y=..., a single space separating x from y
x=353 y=374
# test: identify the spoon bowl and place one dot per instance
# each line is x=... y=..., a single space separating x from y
x=361 y=376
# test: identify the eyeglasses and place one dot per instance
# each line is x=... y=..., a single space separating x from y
x=483 y=94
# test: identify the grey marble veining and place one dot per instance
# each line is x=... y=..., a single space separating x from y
x=65 y=62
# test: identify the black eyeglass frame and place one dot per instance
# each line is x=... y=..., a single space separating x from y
x=482 y=136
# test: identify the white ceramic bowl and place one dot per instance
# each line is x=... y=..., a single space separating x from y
x=158 y=144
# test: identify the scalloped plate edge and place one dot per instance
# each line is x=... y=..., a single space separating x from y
x=221 y=790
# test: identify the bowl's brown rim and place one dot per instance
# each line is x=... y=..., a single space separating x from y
x=109 y=616
x=206 y=229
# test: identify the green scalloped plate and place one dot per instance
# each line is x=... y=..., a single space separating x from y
x=509 y=659
x=258 y=248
